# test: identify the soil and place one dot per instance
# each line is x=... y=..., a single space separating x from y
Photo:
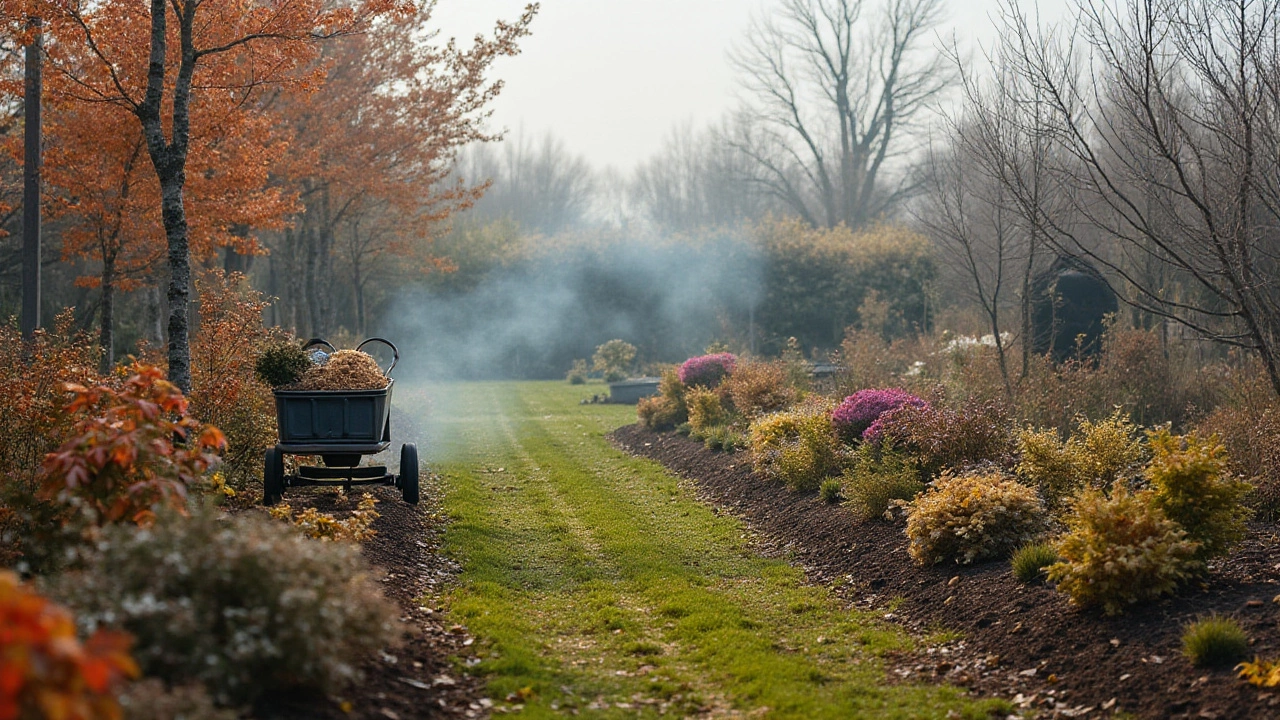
x=419 y=678
x=1018 y=641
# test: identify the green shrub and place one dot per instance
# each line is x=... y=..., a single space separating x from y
x=972 y=517
x=879 y=475
x=1096 y=455
x=245 y=605
x=797 y=447
x=1188 y=475
x=1121 y=550
x=281 y=363
x=577 y=374
x=705 y=410
x=614 y=359
x=830 y=491
x=1215 y=641
x=1030 y=562
x=724 y=438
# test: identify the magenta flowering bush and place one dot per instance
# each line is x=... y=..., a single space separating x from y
x=853 y=418
x=707 y=370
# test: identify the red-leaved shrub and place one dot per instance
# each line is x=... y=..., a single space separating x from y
x=133 y=449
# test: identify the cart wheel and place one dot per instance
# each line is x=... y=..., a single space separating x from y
x=273 y=477
x=408 y=480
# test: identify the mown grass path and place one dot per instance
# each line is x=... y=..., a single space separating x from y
x=597 y=585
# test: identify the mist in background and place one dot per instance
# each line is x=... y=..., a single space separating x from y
x=532 y=320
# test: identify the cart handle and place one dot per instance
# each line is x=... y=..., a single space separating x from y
x=394 y=350
x=317 y=341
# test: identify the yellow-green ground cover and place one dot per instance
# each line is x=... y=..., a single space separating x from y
x=596 y=584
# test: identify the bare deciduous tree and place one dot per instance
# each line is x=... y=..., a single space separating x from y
x=834 y=91
x=1163 y=120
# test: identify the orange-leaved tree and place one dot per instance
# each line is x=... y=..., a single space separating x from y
x=375 y=144
x=164 y=62
x=105 y=195
x=134 y=450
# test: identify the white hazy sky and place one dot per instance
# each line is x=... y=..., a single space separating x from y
x=612 y=77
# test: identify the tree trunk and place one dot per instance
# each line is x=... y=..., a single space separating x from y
x=175 y=224
x=106 y=331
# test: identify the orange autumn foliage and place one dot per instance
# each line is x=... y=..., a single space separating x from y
x=134 y=449
x=45 y=671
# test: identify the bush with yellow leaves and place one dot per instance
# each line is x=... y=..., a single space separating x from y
x=972 y=517
x=1095 y=455
x=1262 y=673
x=797 y=447
x=1190 y=483
x=321 y=526
x=667 y=409
x=1121 y=550
x=705 y=410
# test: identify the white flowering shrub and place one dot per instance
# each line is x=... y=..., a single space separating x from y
x=245 y=605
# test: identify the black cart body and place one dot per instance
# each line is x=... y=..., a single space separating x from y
x=340 y=426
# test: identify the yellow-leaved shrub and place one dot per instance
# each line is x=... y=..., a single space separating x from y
x=1121 y=550
x=1095 y=456
x=1189 y=479
x=797 y=447
x=972 y=517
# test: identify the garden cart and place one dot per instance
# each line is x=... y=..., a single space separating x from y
x=340 y=426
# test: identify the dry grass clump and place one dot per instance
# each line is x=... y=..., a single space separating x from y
x=346 y=370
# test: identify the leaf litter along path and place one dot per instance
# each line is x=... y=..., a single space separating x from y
x=596 y=584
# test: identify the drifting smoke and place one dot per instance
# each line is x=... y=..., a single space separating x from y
x=531 y=321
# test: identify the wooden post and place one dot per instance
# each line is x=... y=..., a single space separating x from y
x=31 y=160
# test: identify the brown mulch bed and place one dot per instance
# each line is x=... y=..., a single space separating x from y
x=1023 y=642
x=419 y=678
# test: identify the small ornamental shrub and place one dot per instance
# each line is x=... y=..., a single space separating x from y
x=879 y=475
x=1215 y=641
x=796 y=447
x=859 y=411
x=356 y=527
x=705 y=410
x=245 y=605
x=667 y=409
x=1188 y=476
x=724 y=438
x=1096 y=455
x=941 y=438
x=1121 y=550
x=1031 y=561
x=125 y=458
x=281 y=363
x=33 y=423
x=1260 y=673
x=707 y=370
x=830 y=491
x=47 y=672
x=972 y=517
x=1251 y=434
x=226 y=391
x=577 y=374
x=759 y=388
x=613 y=360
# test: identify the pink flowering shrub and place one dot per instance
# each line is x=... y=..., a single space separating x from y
x=707 y=370
x=859 y=412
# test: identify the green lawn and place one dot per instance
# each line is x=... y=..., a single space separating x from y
x=597 y=584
